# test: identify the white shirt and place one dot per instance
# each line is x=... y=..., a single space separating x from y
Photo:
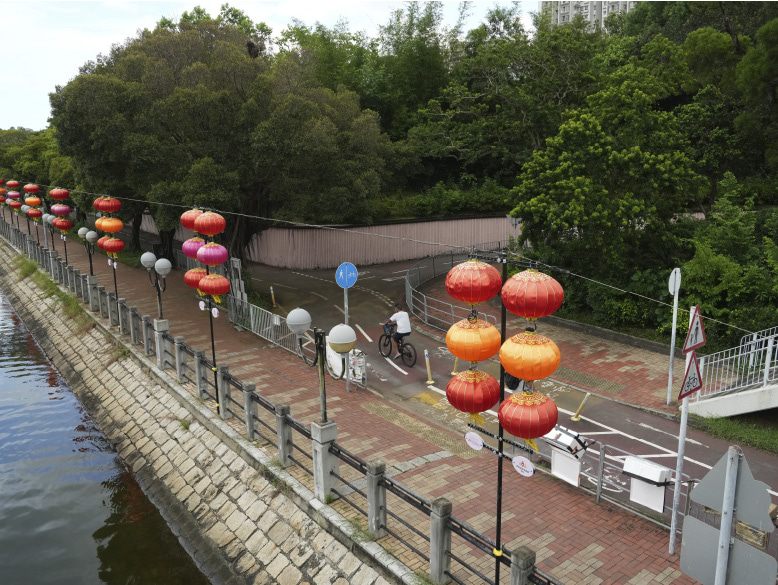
x=403 y=321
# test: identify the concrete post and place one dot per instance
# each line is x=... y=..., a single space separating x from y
x=161 y=327
x=440 y=541
x=522 y=565
x=201 y=375
x=284 y=433
x=134 y=332
x=148 y=335
x=249 y=409
x=124 y=326
x=324 y=462
x=91 y=294
x=51 y=259
x=113 y=313
x=180 y=359
x=101 y=301
x=376 y=499
x=223 y=391
x=72 y=274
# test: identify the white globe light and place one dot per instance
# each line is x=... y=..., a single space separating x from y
x=342 y=339
x=148 y=259
x=82 y=232
x=299 y=321
x=163 y=267
x=92 y=236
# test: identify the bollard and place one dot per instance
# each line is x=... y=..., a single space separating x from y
x=430 y=381
x=273 y=296
x=440 y=541
x=577 y=416
x=284 y=435
x=456 y=363
x=325 y=464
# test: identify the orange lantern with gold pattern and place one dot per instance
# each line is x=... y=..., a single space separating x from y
x=529 y=356
x=528 y=415
x=110 y=225
x=473 y=282
x=473 y=340
x=532 y=294
x=473 y=391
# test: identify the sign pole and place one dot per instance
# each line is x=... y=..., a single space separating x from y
x=727 y=509
x=346 y=275
x=674 y=286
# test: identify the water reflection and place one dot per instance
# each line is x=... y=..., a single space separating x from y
x=70 y=512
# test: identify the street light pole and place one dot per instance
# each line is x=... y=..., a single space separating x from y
x=498 y=534
x=162 y=268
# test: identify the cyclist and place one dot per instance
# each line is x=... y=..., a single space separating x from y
x=403 y=322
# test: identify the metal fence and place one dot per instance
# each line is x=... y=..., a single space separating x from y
x=753 y=364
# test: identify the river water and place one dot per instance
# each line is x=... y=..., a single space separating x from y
x=70 y=512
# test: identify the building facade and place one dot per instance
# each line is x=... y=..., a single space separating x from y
x=593 y=12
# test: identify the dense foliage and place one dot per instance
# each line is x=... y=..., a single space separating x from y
x=624 y=151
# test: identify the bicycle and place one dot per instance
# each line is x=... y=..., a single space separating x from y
x=407 y=351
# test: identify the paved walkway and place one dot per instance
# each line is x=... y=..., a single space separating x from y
x=577 y=541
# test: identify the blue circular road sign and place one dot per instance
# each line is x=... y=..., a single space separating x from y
x=346 y=275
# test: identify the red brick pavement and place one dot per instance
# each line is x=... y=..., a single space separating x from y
x=576 y=540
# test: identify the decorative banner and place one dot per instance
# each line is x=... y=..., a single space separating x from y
x=474 y=441
x=523 y=466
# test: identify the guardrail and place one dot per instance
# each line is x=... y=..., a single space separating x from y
x=753 y=364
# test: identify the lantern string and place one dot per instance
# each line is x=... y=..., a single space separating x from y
x=388 y=237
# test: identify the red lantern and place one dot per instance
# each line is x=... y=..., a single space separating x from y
x=209 y=223
x=188 y=218
x=193 y=277
x=474 y=340
x=31 y=188
x=62 y=224
x=14 y=204
x=34 y=214
x=12 y=184
x=2 y=181
x=473 y=282
x=113 y=246
x=191 y=247
x=102 y=241
x=3 y=198
x=473 y=391
x=212 y=254
x=532 y=294
x=528 y=415
x=214 y=285
x=529 y=356
x=59 y=194
x=108 y=204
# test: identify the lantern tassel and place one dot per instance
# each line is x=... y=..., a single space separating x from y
x=216 y=298
x=476 y=419
x=532 y=444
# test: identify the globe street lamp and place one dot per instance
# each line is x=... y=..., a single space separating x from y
x=46 y=221
x=89 y=237
x=162 y=268
x=342 y=340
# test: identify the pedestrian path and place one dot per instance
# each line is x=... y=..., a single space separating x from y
x=576 y=540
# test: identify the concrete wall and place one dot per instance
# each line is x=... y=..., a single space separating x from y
x=327 y=247
x=241 y=519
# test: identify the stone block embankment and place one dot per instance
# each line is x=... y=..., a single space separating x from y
x=242 y=520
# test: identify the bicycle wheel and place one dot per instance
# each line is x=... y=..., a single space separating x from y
x=385 y=345
x=409 y=355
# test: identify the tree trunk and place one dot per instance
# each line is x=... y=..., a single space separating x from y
x=166 y=239
x=137 y=219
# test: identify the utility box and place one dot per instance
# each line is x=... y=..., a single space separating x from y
x=566 y=441
x=649 y=481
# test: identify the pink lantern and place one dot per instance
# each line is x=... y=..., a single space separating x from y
x=191 y=246
x=212 y=254
x=60 y=209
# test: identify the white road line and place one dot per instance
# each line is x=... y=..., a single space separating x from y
x=318 y=295
x=285 y=286
x=339 y=309
x=363 y=333
x=602 y=433
x=396 y=367
x=392 y=278
x=650 y=428
x=399 y=271
x=658 y=456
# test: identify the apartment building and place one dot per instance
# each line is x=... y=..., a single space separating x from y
x=593 y=12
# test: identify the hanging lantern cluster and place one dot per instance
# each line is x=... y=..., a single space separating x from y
x=210 y=254
x=3 y=191
x=33 y=201
x=473 y=339
x=13 y=196
x=108 y=224
x=528 y=356
x=61 y=210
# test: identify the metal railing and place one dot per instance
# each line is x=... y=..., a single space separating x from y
x=750 y=365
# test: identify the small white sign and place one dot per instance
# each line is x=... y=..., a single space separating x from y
x=474 y=441
x=202 y=305
x=215 y=312
x=523 y=466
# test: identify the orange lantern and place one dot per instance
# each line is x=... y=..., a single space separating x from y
x=528 y=415
x=214 y=285
x=32 y=201
x=193 y=277
x=474 y=340
x=473 y=282
x=99 y=224
x=110 y=225
x=529 y=356
x=532 y=294
x=188 y=218
x=209 y=223
x=473 y=391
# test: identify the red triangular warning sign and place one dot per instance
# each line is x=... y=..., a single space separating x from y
x=692 y=381
x=696 y=336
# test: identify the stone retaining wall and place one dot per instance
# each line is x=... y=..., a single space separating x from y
x=242 y=519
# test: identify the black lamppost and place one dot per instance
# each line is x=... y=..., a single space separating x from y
x=162 y=268
x=342 y=340
x=47 y=219
x=89 y=237
x=24 y=209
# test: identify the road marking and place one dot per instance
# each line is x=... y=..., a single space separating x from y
x=688 y=440
x=658 y=456
x=601 y=433
x=318 y=295
x=399 y=271
x=363 y=333
x=285 y=286
x=392 y=278
x=339 y=309
x=395 y=366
